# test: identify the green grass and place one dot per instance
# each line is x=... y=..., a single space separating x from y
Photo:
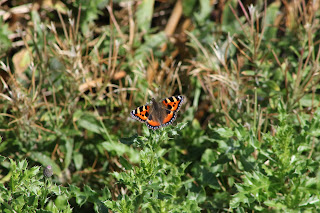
x=246 y=140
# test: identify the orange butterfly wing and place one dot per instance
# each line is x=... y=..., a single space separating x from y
x=173 y=103
x=152 y=124
x=172 y=106
x=141 y=113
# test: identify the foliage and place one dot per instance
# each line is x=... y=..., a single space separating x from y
x=5 y=42
x=155 y=185
x=246 y=139
x=28 y=191
x=284 y=175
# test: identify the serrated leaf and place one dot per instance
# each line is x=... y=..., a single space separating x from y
x=33 y=171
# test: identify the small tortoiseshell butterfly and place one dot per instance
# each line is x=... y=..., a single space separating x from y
x=158 y=115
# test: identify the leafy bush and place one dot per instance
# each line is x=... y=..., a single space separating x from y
x=29 y=191
x=155 y=185
x=284 y=175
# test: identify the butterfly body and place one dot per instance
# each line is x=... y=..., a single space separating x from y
x=157 y=115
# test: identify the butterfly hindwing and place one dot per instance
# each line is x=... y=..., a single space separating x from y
x=152 y=123
x=171 y=116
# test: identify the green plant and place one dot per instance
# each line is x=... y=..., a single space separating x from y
x=5 y=42
x=27 y=190
x=154 y=185
x=71 y=71
x=285 y=172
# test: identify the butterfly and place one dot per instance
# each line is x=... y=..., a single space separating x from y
x=157 y=115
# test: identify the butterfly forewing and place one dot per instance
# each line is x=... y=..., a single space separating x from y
x=141 y=113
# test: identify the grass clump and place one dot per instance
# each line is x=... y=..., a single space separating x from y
x=71 y=72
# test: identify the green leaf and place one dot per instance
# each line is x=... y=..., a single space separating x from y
x=273 y=86
x=164 y=196
x=205 y=10
x=309 y=100
x=89 y=122
x=224 y=132
x=61 y=201
x=275 y=204
x=78 y=160
x=144 y=15
x=125 y=163
x=120 y=149
x=46 y=161
x=33 y=171
x=248 y=72
x=228 y=20
x=2 y=158
x=5 y=42
x=271 y=14
x=69 y=150
x=78 y=194
x=198 y=194
x=310 y=201
x=128 y=141
x=188 y=7
x=209 y=156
